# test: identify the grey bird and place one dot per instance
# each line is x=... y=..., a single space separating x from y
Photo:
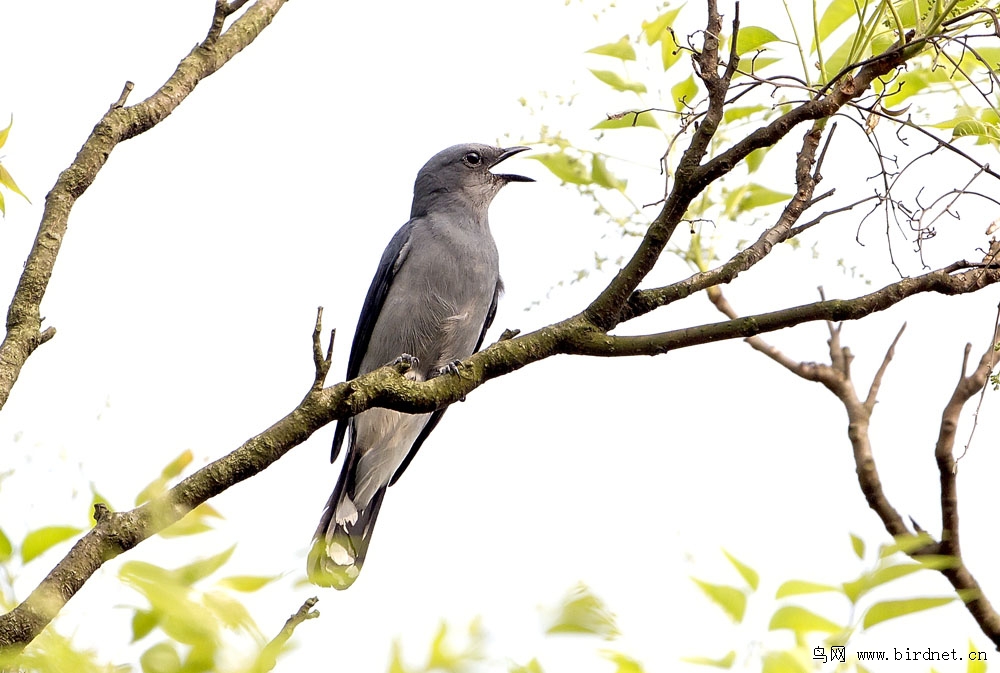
x=433 y=297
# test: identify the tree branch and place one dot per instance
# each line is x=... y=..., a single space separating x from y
x=836 y=378
x=24 y=320
x=606 y=311
x=586 y=333
x=644 y=301
x=944 y=450
x=944 y=281
x=386 y=387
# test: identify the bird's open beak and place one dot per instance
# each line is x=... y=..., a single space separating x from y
x=508 y=177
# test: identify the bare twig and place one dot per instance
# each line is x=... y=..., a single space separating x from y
x=877 y=379
x=321 y=362
x=223 y=10
x=836 y=378
x=126 y=90
x=692 y=176
x=982 y=391
x=268 y=657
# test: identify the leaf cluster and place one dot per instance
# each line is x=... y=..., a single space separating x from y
x=184 y=620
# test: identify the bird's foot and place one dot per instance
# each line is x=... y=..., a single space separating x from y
x=450 y=368
x=405 y=362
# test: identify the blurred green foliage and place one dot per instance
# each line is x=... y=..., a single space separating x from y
x=185 y=617
x=866 y=601
x=652 y=92
x=6 y=179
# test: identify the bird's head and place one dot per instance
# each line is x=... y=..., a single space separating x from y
x=461 y=176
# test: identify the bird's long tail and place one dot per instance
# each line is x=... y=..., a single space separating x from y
x=342 y=537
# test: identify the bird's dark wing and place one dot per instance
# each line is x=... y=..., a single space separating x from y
x=436 y=416
x=392 y=259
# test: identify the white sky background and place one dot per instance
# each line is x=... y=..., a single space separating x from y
x=185 y=294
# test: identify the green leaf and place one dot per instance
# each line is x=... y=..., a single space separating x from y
x=657 y=28
x=683 y=93
x=622 y=49
x=670 y=51
x=246 y=583
x=7 y=181
x=160 y=658
x=750 y=196
x=745 y=571
x=39 y=541
x=143 y=621
x=800 y=620
x=153 y=489
x=886 y=610
x=177 y=465
x=730 y=599
x=938 y=561
x=396 y=664
x=202 y=568
x=531 y=667
x=887 y=574
x=5 y=132
x=615 y=81
x=583 y=612
x=964 y=128
x=838 y=59
x=978 y=664
x=752 y=38
x=186 y=526
x=783 y=662
x=836 y=13
x=756 y=158
x=443 y=656
x=733 y=114
x=201 y=659
x=623 y=663
x=990 y=58
x=158 y=486
x=799 y=587
x=189 y=622
x=565 y=167
x=204 y=509
x=604 y=177
x=628 y=120
x=906 y=85
x=192 y=523
x=725 y=662
x=855 y=589
x=905 y=544
x=6 y=550
x=230 y=611
x=755 y=64
x=439 y=656
x=140 y=572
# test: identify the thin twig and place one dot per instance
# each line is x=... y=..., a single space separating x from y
x=268 y=657
x=982 y=393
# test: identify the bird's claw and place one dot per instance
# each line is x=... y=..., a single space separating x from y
x=450 y=368
x=406 y=361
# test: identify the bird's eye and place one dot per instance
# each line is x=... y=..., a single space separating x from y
x=473 y=159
